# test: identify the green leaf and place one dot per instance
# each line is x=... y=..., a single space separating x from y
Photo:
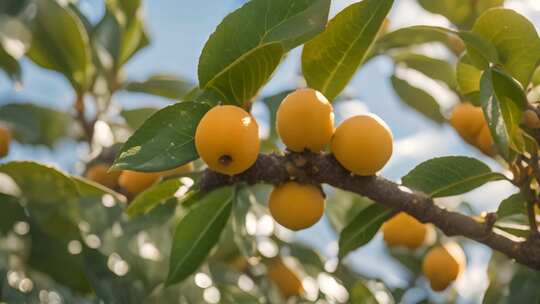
x=168 y=86
x=515 y=39
x=512 y=205
x=362 y=228
x=524 y=287
x=450 y=175
x=330 y=60
x=136 y=117
x=10 y=212
x=241 y=81
x=418 y=99
x=33 y=124
x=198 y=232
x=153 y=196
x=88 y=188
x=434 y=68
x=503 y=102
x=411 y=36
x=480 y=51
x=468 y=78
x=10 y=65
x=458 y=12
x=258 y=23
x=343 y=207
x=60 y=43
x=360 y=294
x=51 y=197
x=133 y=36
x=164 y=141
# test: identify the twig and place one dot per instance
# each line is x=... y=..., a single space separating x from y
x=324 y=168
x=87 y=126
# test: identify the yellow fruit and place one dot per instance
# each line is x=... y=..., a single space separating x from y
x=404 y=230
x=296 y=206
x=286 y=280
x=456 y=44
x=484 y=141
x=305 y=120
x=227 y=139
x=99 y=174
x=135 y=182
x=443 y=264
x=363 y=144
x=468 y=121
x=5 y=141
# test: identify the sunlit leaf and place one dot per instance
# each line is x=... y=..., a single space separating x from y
x=168 y=86
x=362 y=228
x=434 y=68
x=330 y=60
x=198 y=232
x=153 y=196
x=450 y=175
x=164 y=141
x=136 y=117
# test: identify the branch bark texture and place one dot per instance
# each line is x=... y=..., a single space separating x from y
x=325 y=169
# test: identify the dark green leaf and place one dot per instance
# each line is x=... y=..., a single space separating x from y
x=524 y=287
x=503 y=102
x=136 y=117
x=168 y=86
x=10 y=212
x=434 y=68
x=362 y=228
x=153 y=196
x=512 y=205
x=418 y=99
x=258 y=23
x=51 y=197
x=164 y=141
x=360 y=294
x=515 y=39
x=10 y=65
x=343 y=207
x=240 y=82
x=198 y=232
x=33 y=124
x=60 y=43
x=330 y=60
x=450 y=175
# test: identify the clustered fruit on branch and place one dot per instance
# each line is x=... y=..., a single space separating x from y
x=227 y=141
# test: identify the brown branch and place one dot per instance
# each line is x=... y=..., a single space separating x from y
x=87 y=126
x=324 y=169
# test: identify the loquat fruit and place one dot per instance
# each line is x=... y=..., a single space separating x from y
x=363 y=144
x=5 y=141
x=443 y=264
x=470 y=123
x=99 y=173
x=404 y=230
x=296 y=206
x=227 y=139
x=286 y=280
x=135 y=182
x=305 y=120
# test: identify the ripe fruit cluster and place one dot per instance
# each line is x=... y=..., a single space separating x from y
x=441 y=265
x=227 y=141
x=5 y=141
x=471 y=125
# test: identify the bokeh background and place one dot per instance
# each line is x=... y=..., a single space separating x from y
x=178 y=30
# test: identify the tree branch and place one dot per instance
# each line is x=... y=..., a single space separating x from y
x=87 y=126
x=324 y=169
